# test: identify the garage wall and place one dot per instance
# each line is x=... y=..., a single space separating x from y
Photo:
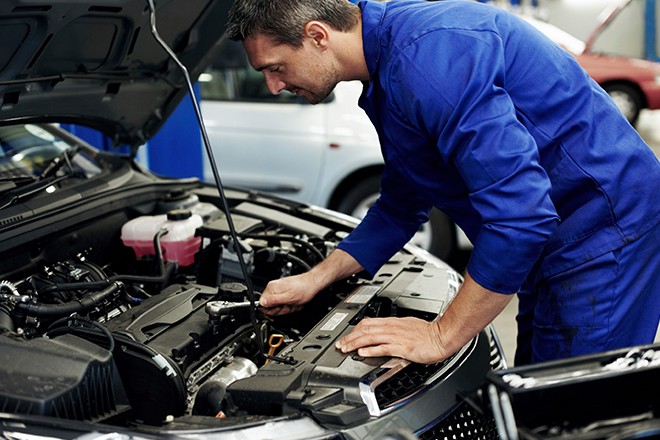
x=578 y=17
x=575 y=17
x=624 y=36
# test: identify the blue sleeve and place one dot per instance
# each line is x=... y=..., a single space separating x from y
x=389 y=224
x=452 y=87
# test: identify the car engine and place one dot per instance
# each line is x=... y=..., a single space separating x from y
x=122 y=318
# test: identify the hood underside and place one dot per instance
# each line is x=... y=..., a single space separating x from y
x=97 y=63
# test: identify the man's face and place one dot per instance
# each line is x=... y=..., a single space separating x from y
x=307 y=71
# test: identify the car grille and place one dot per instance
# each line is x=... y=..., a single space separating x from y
x=464 y=423
x=497 y=360
x=399 y=380
x=405 y=382
x=391 y=389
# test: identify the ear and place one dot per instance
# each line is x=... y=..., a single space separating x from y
x=318 y=32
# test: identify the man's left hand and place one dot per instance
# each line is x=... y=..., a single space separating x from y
x=410 y=338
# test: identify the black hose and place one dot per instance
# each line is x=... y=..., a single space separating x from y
x=158 y=250
x=297 y=260
x=163 y=277
x=95 y=285
x=78 y=306
x=83 y=285
x=72 y=322
x=160 y=260
x=286 y=256
x=290 y=238
x=6 y=321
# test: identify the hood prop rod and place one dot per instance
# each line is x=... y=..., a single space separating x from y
x=218 y=183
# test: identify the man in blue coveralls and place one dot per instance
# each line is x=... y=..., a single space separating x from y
x=483 y=117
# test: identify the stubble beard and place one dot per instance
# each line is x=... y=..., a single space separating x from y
x=328 y=81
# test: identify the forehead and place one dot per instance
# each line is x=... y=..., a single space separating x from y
x=263 y=51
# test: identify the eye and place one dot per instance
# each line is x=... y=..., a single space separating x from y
x=277 y=69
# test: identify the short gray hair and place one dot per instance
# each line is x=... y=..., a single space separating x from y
x=284 y=20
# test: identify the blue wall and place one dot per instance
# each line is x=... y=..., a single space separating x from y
x=176 y=150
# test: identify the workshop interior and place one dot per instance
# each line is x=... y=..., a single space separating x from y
x=150 y=189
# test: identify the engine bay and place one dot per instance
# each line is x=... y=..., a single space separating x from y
x=102 y=324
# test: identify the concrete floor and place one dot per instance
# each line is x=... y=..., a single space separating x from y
x=648 y=127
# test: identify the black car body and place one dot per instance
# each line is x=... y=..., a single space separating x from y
x=125 y=309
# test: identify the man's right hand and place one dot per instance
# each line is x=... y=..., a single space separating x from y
x=288 y=294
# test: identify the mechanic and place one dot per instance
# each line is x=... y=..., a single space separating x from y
x=483 y=117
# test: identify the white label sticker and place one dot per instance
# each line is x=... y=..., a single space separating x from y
x=362 y=295
x=334 y=321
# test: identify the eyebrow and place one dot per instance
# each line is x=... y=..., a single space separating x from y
x=265 y=66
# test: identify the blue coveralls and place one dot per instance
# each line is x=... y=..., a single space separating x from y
x=482 y=116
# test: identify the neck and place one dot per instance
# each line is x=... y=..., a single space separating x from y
x=351 y=55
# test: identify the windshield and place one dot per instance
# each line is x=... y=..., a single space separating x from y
x=28 y=150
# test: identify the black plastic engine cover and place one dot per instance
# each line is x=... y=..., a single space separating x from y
x=65 y=377
x=173 y=323
x=164 y=340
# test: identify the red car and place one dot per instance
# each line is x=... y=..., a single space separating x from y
x=633 y=83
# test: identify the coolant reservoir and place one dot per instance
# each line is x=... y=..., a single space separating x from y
x=179 y=245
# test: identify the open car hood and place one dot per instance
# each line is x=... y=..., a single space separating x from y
x=604 y=20
x=97 y=63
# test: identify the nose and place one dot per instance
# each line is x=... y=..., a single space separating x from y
x=275 y=86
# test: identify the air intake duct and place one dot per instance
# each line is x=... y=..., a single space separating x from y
x=65 y=377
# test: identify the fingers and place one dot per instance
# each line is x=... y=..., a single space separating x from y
x=273 y=300
x=368 y=334
x=409 y=338
x=278 y=293
x=381 y=350
x=280 y=310
x=283 y=296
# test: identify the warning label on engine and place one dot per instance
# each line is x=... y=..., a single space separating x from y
x=334 y=321
x=362 y=295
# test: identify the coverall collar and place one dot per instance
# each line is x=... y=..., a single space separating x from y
x=372 y=17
